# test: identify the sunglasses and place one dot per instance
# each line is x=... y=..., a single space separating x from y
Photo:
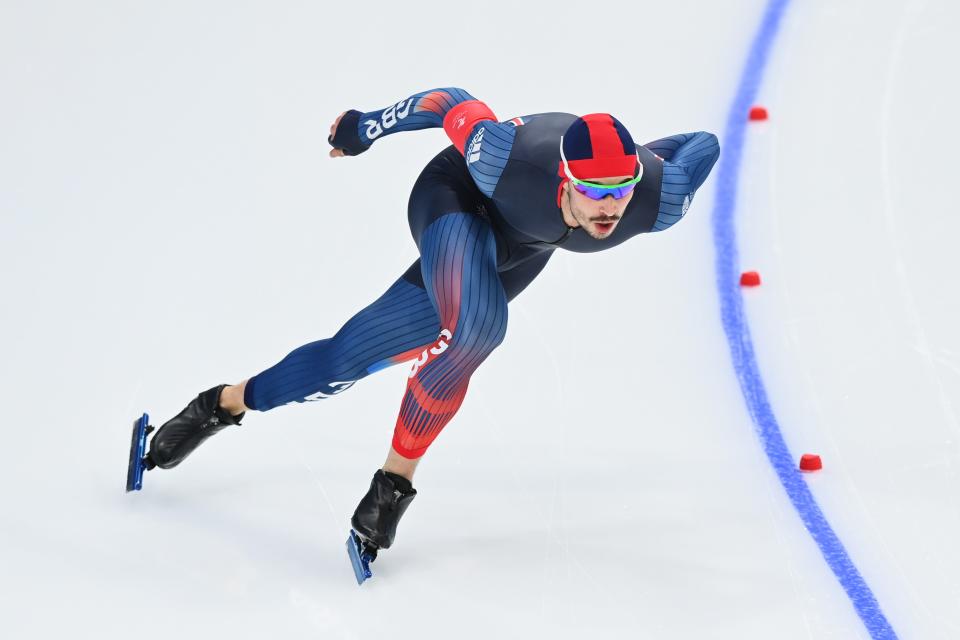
x=596 y=191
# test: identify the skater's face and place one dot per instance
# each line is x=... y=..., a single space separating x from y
x=598 y=218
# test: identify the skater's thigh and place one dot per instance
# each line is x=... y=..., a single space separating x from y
x=458 y=262
x=394 y=328
x=514 y=280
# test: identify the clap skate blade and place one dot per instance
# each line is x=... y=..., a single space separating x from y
x=138 y=449
x=361 y=555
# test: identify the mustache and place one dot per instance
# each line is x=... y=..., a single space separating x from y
x=613 y=219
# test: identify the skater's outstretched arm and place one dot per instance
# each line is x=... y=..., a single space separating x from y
x=469 y=123
x=687 y=161
x=353 y=132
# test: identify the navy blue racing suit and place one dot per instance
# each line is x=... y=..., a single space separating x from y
x=486 y=221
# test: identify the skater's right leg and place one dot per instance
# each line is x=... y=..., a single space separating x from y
x=186 y=431
x=394 y=328
x=231 y=398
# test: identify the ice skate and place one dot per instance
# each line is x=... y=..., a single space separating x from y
x=179 y=436
x=376 y=518
x=138 y=445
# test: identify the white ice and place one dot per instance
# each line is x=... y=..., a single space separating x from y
x=169 y=220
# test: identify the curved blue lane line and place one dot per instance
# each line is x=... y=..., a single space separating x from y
x=741 y=347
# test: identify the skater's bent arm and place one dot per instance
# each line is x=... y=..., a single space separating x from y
x=354 y=132
x=682 y=143
x=687 y=161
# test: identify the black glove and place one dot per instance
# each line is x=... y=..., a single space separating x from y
x=346 y=136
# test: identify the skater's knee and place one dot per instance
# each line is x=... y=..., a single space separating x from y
x=481 y=332
x=477 y=340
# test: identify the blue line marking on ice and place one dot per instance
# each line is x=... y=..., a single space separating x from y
x=741 y=347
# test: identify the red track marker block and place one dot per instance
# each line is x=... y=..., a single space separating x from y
x=749 y=279
x=810 y=462
x=758 y=113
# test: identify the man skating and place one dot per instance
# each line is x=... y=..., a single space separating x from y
x=486 y=214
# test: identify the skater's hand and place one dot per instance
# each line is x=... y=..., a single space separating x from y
x=344 y=136
x=336 y=153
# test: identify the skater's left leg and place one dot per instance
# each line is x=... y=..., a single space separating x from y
x=458 y=256
x=400 y=465
x=514 y=281
x=459 y=263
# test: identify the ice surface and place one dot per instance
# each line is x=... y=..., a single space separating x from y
x=169 y=220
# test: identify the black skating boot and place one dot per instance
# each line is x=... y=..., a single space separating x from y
x=179 y=436
x=379 y=512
